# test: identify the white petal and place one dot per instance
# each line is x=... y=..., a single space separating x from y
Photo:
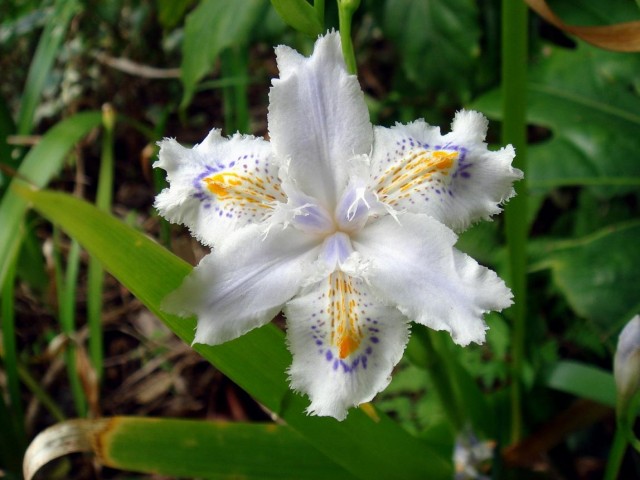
x=219 y=185
x=318 y=118
x=415 y=266
x=344 y=342
x=453 y=177
x=244 y=283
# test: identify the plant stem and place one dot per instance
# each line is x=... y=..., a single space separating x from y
x=514 y=73
x=616 y=454
x=346 y=9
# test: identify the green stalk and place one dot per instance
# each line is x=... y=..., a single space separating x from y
x=432 y=356
x=235 y=96
x=95 y=273
x=66 y=306
x=346 y=9
x=9 y=351
x=514 y=73
x=240 y=62
x=616 y=454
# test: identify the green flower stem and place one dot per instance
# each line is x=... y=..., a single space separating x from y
x=616 y=454
x=514 y=73
x=346 y=9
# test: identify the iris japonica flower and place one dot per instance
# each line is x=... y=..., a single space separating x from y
x=347 y=227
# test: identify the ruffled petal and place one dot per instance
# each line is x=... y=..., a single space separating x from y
x=244 y=283
x=453 y=177
x=318 y=118
x=219 y=185
x=345 y=343
x=415 y=266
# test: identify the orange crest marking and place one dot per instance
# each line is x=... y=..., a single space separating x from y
x=240 y=188
x=346 y=333
x=415 y=170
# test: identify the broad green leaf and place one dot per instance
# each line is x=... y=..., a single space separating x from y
x=213 y=26
x=40 y=165
x=186 y=448
x=437 y=39
x=256 y=361
x=50 y=41
x=584 y=381
x=586 y=98
x=599 y=274
x=300 y=15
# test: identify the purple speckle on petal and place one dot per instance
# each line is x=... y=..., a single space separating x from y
x=329 y=355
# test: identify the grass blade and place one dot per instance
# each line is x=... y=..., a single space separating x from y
x=66 y=281
x=50 y=41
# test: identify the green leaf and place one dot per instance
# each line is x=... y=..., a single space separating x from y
x=213 y=26
x=7 y=127
x=40 y=165
x=599 y=274
x=300 y=15
x=586 y=98
x=54 y=33
x=171 y=12
x=437 y=39
x=583 y=381
x=187 y=448
x=588 y=12
x=256 y=361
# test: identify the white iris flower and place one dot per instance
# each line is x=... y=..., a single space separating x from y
x=347 y=227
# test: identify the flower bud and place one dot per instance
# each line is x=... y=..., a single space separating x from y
x=626 y=363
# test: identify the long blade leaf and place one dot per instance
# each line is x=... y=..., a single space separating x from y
x=186 y=448
x=50 y=41
x=40 y=165
x=256 y=361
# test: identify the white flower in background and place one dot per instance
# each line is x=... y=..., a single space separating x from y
x=347 y=227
